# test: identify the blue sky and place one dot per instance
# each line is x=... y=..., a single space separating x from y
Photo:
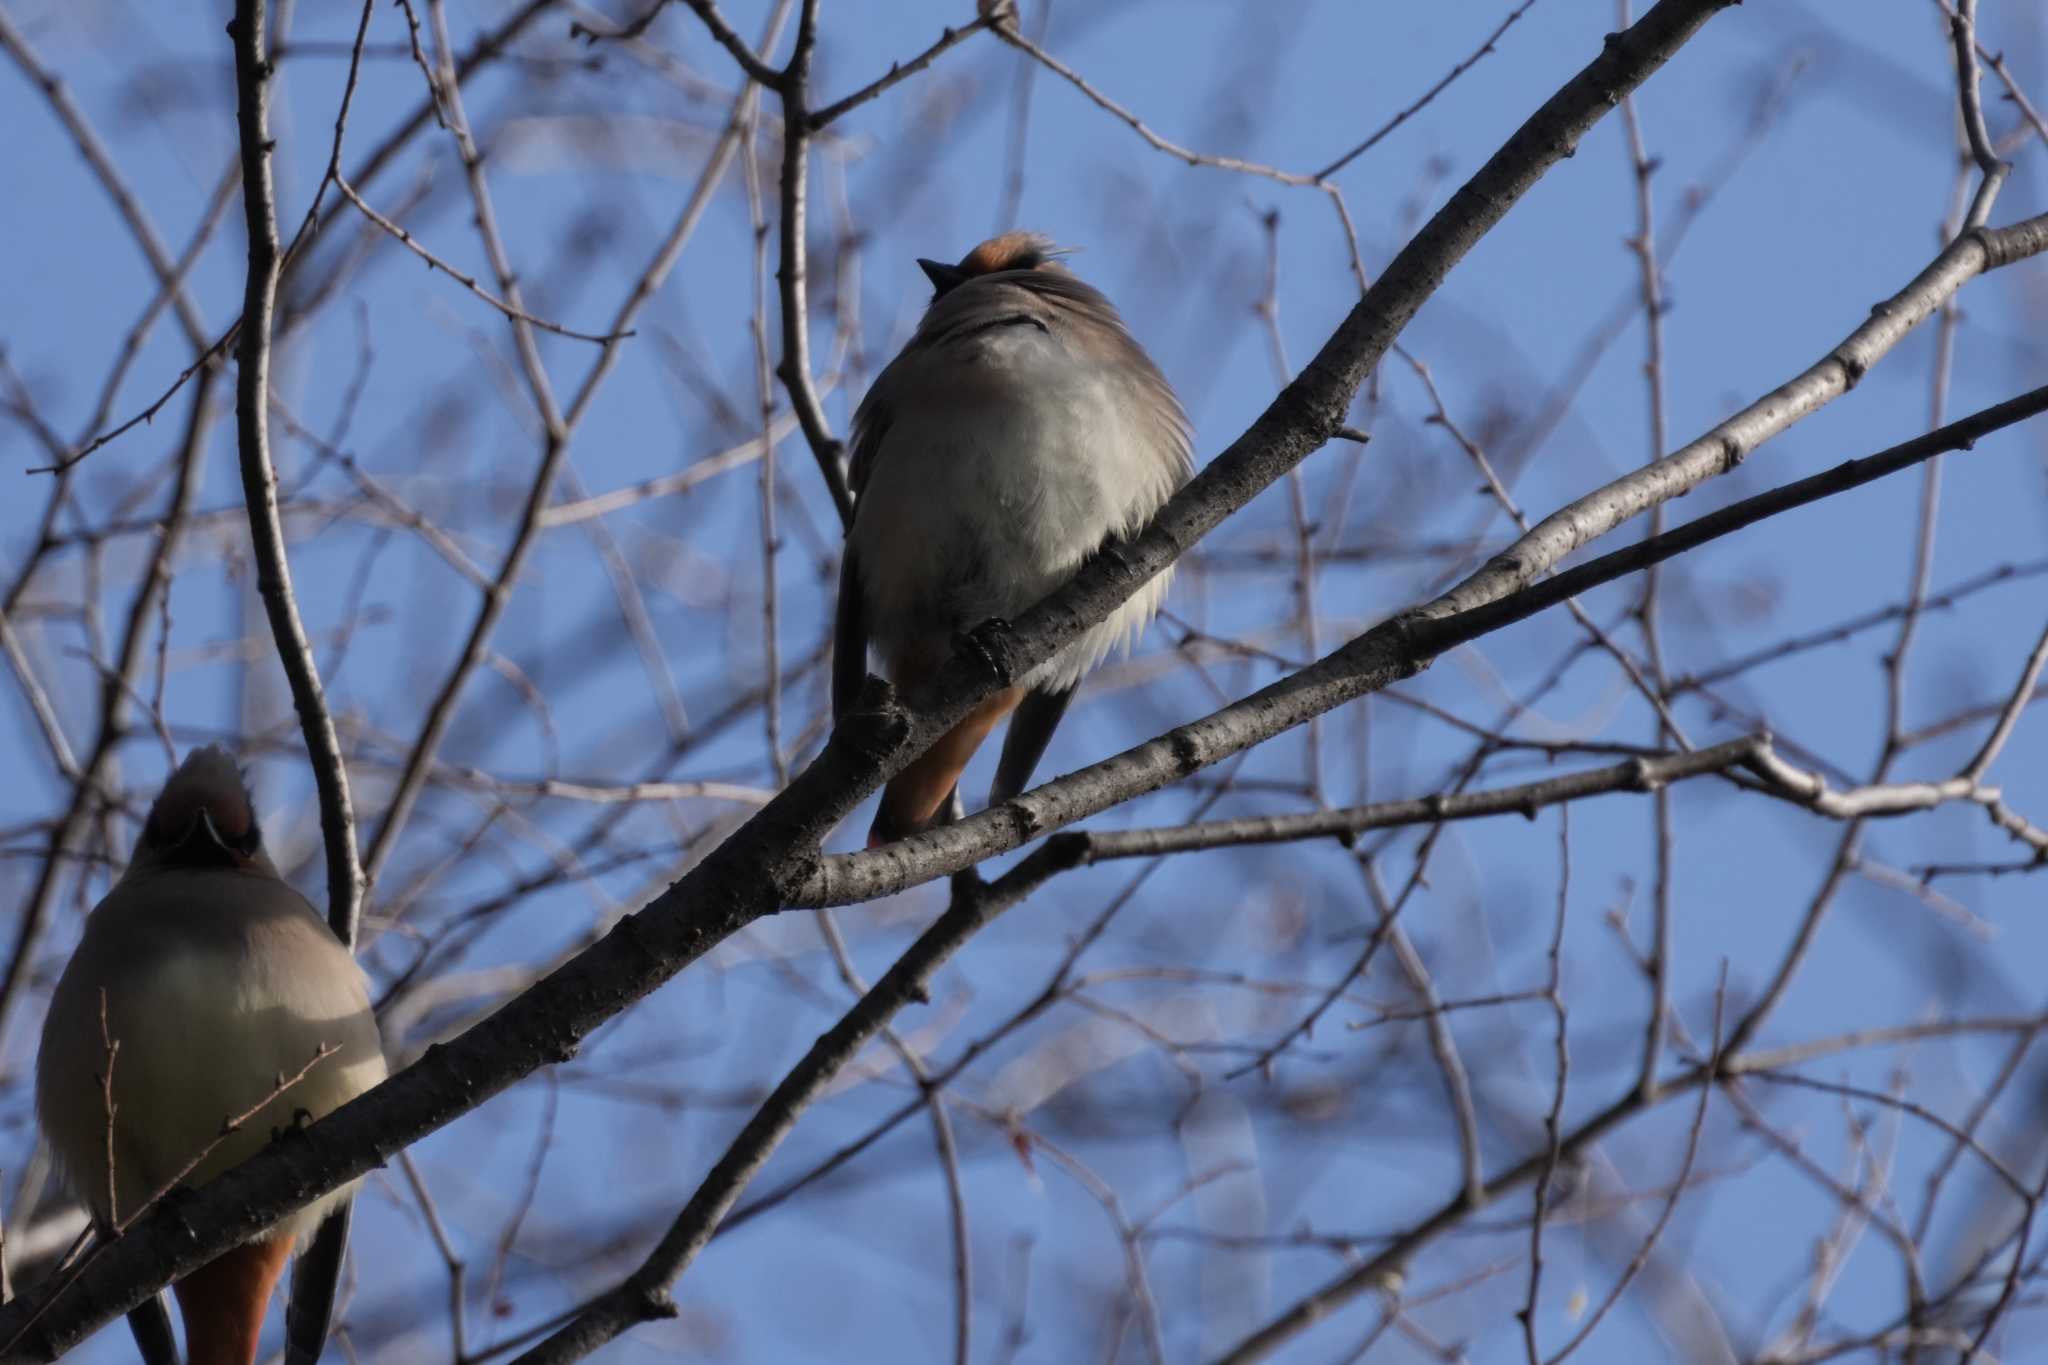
x=1824 y=205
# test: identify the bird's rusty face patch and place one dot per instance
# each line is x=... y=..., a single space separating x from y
x=205 y=817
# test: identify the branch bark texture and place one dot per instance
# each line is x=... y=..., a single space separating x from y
x=763 y=866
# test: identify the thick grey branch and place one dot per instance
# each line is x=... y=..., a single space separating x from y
x=757 y=869
x=1637 y=775
x=1727 y=445
x=644 y=1294
x=1391 y=651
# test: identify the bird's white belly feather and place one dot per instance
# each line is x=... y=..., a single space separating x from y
x=1002 y=497
x=207 y=1026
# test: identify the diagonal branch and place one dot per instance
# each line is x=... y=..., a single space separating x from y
x=1396 y=649
x=903 y=71
x=1726 y=446
x=1312 y=408
x=757 y=869
x=1637 y=775
x=757 y=70
x=644 y=1294
x=2009 y=715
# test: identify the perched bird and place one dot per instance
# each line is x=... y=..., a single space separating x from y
x=206 y=989
x=1020 y=429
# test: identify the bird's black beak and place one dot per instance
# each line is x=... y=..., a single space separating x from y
x=203 y=845
x=945 y=278
x=202 y=824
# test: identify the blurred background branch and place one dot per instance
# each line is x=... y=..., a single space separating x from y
x=1325 y=1037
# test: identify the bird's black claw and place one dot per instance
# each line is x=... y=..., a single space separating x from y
x=985 y=643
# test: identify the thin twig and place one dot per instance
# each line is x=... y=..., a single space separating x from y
x=259 y=475
x=644 y=1294
x=440 y=711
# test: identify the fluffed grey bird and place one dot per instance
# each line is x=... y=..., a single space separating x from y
x=202 y=984
x=1021 y=429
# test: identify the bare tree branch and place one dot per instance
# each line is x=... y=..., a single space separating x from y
x=754 y=871
x=259 y=475
x=537 y=812
x=1389 y=652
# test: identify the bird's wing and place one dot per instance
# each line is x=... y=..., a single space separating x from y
x=310 y=1310
x=149 y=1322
x=870 y=425
x=1031 y=727
x=850 y=631
x=849 y=636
